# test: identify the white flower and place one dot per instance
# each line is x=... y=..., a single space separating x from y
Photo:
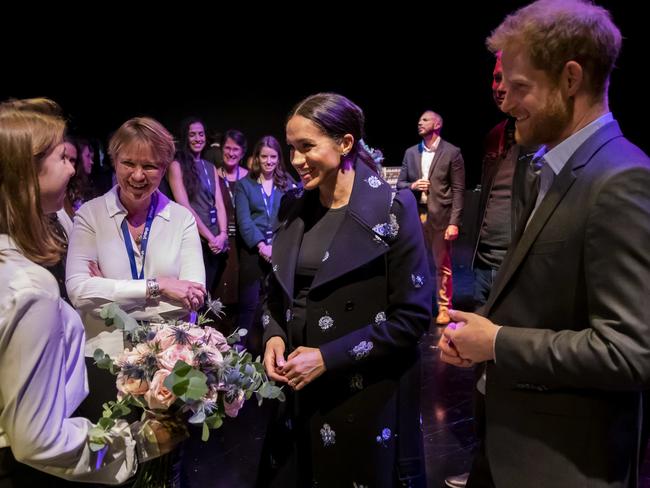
x=266 y=319
x=328 y=435
x=361 y=350
x=417 y=280
x=380 y=317
x=325 y=322
x=374 y=182
x=388 y=229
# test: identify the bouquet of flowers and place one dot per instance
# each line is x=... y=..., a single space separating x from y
x=174 y=368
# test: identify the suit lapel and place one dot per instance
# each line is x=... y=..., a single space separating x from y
x=288 y=239
x=556 y=193
x=365 y=230
x=436 y=157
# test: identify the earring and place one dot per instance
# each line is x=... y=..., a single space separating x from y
x=344 y=154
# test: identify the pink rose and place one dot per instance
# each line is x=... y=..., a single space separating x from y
x=158 y=396
x=216 y=339
x=213 y=352
x=165 y=337
x=195 y=333
x=131 y=386
x=133 y=356
x=169 y=356
x=232 y=408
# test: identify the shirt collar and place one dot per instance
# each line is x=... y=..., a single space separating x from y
x=115 y=207
x=557 y=157
x=434 y=146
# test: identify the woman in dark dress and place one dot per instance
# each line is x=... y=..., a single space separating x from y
x=349 y=298
x=230 y=172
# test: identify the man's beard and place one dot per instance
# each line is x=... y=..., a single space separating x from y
x=547 y=126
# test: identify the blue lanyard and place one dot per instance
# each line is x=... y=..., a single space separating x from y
x=268 y=201
x=145 y=238
x=207 y=179
x=225 y=180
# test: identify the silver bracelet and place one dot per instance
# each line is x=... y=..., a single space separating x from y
x=153 y=288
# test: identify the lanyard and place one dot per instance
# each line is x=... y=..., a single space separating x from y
x=268 y=200
x=225 y=180
x=145 y=239
x=207 y=178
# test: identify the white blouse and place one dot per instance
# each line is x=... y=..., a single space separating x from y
x=43 y=379
x=174 y=250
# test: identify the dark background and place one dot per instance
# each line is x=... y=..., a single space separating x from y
x=246 y=69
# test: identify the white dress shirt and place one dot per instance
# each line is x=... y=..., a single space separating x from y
x=43 y=379
x=427 y=158
x=174 y=250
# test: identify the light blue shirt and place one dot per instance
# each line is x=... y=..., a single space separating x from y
x=557 y=157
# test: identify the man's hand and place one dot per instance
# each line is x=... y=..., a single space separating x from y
x=420 y=185
x=470 y=336
x=451 y=233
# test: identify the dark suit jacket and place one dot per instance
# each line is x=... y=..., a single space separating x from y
x=367 y=307
x=563 y=396
x=447 y=178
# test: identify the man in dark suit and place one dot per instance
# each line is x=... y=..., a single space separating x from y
x=435 y=172
x=566 y=331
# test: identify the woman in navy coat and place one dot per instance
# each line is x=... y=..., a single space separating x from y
x=349 y=298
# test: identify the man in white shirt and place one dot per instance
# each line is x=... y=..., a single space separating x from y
x=435 y=172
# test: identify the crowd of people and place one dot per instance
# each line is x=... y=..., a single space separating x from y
x=336 y=276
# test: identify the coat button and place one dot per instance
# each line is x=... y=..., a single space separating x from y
x=349 y=306
x=350 y=418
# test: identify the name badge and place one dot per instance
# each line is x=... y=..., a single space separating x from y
x=213 y=216
x=232 y=229
x=268 y=237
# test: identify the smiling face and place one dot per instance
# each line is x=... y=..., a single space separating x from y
x=232 y=153
x=138 y=174
x=269 y=158
x=542 y=113
x=55 y=171
x=196 y=138
x=315 y=156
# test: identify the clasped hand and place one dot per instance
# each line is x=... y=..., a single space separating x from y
x=303 y=365
x=467 y=340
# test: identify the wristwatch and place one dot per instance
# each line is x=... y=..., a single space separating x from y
x=153 y=288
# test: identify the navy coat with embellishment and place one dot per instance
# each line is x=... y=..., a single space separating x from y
x=368 y=306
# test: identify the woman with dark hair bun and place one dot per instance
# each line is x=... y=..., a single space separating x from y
x=349 y=298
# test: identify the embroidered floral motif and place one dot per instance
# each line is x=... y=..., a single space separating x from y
x=417 y=280
x=326 y=256
x=388 y=229
x=325 y=322
x=380 y=317
x=361 y=350
x=289 y=315
x=385 y=436
x=356 y=382
x=266 y=320
x=275 y=268
x=328 y=435
x=374 y=182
